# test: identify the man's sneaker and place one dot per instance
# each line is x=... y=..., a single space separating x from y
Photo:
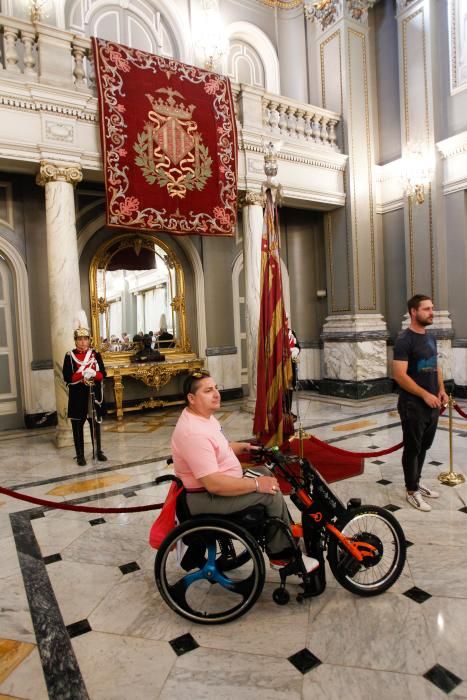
x=416 y=500
x=426 y=492
x=310 y=563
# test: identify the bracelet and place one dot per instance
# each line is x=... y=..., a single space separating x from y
x=257 y=484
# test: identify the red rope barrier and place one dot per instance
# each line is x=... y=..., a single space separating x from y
x=82 y=509
x=460 y=411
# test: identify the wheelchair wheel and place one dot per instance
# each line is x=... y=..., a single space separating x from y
x=380 y=530
x=198 y=582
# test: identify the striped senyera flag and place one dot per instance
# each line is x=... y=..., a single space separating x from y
x=274 y=371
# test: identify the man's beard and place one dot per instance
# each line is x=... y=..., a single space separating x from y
x=426 y=321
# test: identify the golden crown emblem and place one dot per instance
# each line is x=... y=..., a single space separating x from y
x=169 y=107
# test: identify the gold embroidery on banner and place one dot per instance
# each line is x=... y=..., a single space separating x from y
x=170 y=150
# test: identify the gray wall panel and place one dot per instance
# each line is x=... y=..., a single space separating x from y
x=218 y=254
x=304 y=248
x=38 y=274
x=394 y=270
x=456 y=243
x=450 y=111
x=384 y=28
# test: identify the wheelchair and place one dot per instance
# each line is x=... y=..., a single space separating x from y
x=210 y=569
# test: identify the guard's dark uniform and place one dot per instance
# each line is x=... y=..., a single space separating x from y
x=80 y=407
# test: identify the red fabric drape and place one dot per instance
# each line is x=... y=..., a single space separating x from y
x=274 y=369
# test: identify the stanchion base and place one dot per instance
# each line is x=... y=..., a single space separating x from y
x=451 y=478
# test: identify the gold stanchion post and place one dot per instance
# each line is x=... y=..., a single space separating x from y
x=451 y=478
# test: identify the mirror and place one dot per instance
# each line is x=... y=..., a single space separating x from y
x=137 y=289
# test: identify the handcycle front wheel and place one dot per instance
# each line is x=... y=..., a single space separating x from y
x=378 y=532
x=193 y=578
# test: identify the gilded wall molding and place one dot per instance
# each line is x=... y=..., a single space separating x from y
x=372 y=306
x=411 y=119
x=330 y=257
x=52 y=172
x=322 y=47
x=282 y=4
x=328 y=12
x=458 y=45
x=405 y=23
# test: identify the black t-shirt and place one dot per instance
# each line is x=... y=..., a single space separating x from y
x=419 y=350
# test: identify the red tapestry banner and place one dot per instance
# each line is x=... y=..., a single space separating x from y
x=169 y=143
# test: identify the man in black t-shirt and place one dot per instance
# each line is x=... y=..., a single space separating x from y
x=415 y=369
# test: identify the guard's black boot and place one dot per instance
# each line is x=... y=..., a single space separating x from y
x=78 y=439
x=100 y=455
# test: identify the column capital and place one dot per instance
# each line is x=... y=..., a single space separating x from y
x=249 y=197
x=58 y=172
x=328 y=12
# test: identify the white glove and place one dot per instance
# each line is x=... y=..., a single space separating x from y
x=89 y=373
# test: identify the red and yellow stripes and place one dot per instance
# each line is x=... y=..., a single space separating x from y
x=274 y=371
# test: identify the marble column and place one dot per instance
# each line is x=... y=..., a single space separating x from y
x=354 y=333
x=140 y=321
x=63 y=269
x=425 y=216
x=252 y=213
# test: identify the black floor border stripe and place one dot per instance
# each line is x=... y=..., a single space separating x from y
x=59 y=664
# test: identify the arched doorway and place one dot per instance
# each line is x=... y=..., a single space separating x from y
x=11 y=409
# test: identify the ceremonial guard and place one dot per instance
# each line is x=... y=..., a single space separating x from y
x=83 y=372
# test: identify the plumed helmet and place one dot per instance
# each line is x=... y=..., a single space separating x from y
x=80 y=324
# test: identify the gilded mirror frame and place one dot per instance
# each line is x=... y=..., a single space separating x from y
x=101 y=260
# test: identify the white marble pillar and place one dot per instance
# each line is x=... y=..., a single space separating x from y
x=252 y=232
x=64 y=284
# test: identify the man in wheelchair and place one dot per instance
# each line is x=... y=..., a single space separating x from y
x=212 y=475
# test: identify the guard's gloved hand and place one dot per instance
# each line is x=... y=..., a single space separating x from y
x=89 y=373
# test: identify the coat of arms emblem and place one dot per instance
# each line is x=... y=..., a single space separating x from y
x=170 y=150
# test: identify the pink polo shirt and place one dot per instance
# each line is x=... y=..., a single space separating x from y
x=199 y=448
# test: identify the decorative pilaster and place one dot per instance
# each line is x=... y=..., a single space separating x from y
x=252 y=210
x=355 y=329
x=425 y=222
x=64 y=284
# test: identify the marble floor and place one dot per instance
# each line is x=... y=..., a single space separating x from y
x=80 y=616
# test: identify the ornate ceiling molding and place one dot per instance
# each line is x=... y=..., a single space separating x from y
x=282 y=4
x=327 y=12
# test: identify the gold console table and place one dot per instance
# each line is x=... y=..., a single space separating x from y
x=153 y=374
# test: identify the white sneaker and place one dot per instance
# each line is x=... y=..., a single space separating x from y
x=416 y=500
x=426 y=492
x=311 y=564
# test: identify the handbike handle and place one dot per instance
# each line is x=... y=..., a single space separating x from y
x=168 y=477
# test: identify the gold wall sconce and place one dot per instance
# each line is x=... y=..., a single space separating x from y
x=417 y=171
